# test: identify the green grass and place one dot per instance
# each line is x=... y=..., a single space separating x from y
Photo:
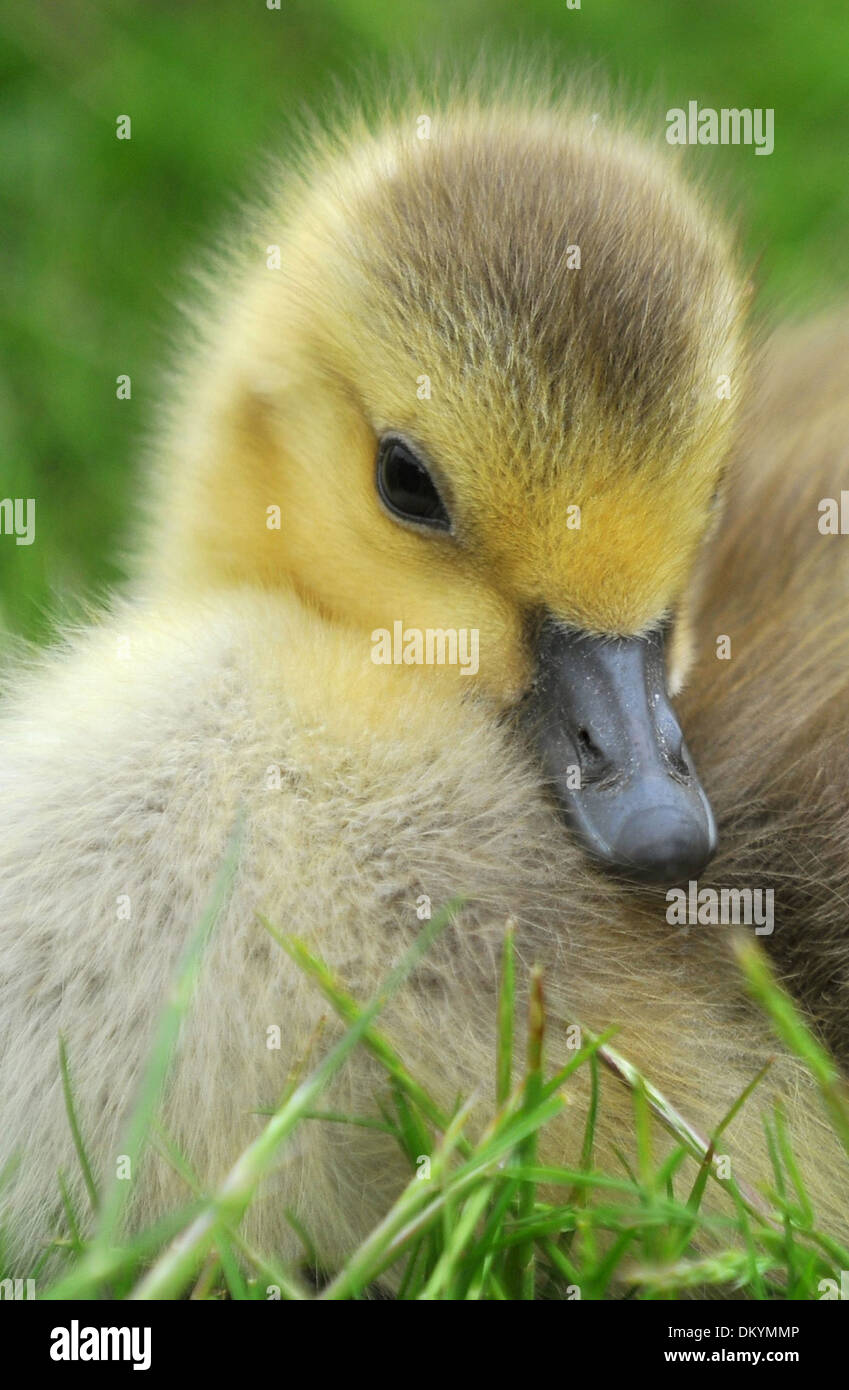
x=100 y=234
x=488 y=1221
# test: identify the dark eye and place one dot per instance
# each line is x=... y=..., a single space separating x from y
x=406 y=488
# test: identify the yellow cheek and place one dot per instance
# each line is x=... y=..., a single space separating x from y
x=624 y=564
x=679 y=653
x=340 y=551
x=400 y=598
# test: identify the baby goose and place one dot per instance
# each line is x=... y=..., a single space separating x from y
x=424 y=391
x=483 y=394
x=780 y=789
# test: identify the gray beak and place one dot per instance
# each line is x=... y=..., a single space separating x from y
x=615 y=756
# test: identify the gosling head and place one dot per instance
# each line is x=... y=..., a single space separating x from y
x=483 y=382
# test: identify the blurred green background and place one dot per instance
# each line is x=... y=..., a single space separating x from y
x=97 y=233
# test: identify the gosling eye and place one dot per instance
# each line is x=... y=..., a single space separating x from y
x=406 y=488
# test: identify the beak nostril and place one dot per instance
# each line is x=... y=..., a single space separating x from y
x=594 y=763
x=679 y=764
x=586 y=744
